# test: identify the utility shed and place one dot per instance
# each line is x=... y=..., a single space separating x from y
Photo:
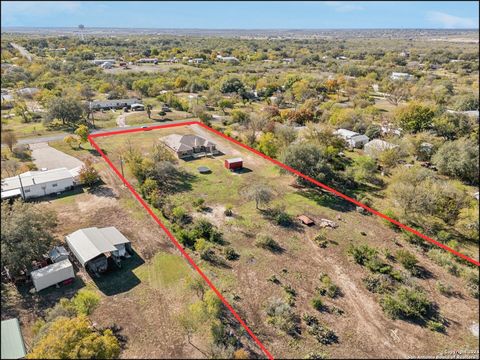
x=52 y=274
x=12 y=343
x=306 y=220
x=233 y=164
x=58 y=253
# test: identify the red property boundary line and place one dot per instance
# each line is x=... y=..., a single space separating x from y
x=276 y=162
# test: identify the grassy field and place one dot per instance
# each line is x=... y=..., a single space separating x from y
x=300 y=262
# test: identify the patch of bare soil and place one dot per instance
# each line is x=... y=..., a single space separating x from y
x=215 y=214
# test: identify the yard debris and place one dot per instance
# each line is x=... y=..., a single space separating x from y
x=306 y=220
x=328 y=223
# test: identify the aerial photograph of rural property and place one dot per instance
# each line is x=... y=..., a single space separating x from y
x=240 y=180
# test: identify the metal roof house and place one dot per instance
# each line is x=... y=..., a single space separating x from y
x=112 y=104
x=353 y=139
x=189 y=145
x=32 y=184
x=376 y=146
x=12 y=343
x=90 y=246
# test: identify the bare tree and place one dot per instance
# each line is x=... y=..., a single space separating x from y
x=9 y=139
x=261 y=194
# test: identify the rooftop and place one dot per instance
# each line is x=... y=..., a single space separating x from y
x=35 y=177
x=12 y=343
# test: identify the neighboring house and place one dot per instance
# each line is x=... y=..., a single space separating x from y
x=148 y=61
x=469 y=113
x=231 y=59
x=401 y=76
x=112 y=104
x=92 y=245
x=189 y=145
x=103 y=61
x=288 y=60
x=376 y=146
x=52 y=274
x=196 y=61
x=353 y=139
x=138 y=107
x=12 y=343
x=106 y=65
x=33 y=184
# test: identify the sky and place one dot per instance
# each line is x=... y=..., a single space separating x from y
x=243 y=14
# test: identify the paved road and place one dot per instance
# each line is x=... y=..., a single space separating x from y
x=60 y=136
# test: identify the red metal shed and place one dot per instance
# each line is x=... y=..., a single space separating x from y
x=233 y=164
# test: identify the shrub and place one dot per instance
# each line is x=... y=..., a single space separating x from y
x=185 y=238
x=274 y=279
x=85 y=301
x=180 y=216
x=378 y=283
x=199 y=204
x=230 y=254
x=407 y=259
x=444 y=289
x=284 y=219
x=321 y=239
x=393 y=216
x=328 y=288
x=315 y=356
x=472 y=283
x=322 y=333
x=435 y=326
x=378 y=266
x=291 y=294
x=362 y=254
x=228 y=210
x=266 y=242
x=201 y=245
x=280 y=315
x=208 y=255
x=317 y=303
x=406 y=303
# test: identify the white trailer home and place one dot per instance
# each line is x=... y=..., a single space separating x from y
x=52 y=274
x=33 y=184
x=353 y=139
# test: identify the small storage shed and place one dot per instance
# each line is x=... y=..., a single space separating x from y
x=234 y=164
x=52 y=274
x=306 y=220
x=58 y=253
x=12 y=343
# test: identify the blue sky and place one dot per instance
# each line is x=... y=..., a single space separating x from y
x=243 y=15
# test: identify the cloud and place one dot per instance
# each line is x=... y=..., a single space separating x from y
x=341 y=6
x=448 y=21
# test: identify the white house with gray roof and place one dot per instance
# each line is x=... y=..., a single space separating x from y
x=353 y=139
x=33 y=184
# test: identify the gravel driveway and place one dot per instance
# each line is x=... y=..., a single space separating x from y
x=45 y=156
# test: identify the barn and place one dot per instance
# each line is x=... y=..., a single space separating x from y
x=234 y=164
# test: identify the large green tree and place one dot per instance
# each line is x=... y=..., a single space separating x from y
x=67 y=109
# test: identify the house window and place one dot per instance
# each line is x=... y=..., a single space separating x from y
x=27 y=190
x=53 y=185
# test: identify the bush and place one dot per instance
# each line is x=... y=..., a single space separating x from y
x=266 y=242
x=328 y=288
x=362 y=254
x=201 y=245
x=407 y=303
x=378 y=266
x=435 y=326
x=180 y=216
x=185 y=238
x=291 y=294
x=444 y=289
x=280 y=315
x=322 y=333
x=284 y=219
x=274 y=279
x=199 y=204
x=228 y=210
x=407 y=259
x=230 y=254
x=378 y=283
x=317 y=303
x=85 y=301
x=472 y=283
x=321 y=239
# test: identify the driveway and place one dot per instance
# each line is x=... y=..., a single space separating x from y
x=45 y=156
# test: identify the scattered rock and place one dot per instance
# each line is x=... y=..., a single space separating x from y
x=328 y=223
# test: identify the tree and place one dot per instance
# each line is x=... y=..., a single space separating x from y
x=9 y=138
x=364 y=168
x=67 y=109
x=233 y=85
x=21 y=109
x=225 y=104
x=88 y=174
x=414 y=117
x=75 y=339
x=396 y=92
x=261 y=194
x=72 y=141
x=26 y=234
x=459 y=159
x=240 y=116
x=82 y=133
x=268 y=144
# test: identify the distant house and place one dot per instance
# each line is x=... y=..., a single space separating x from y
x=106 y=65
x=401 y=76
x=112 y=104
x=376 y=146
x=103 y=61
x=92 y=245
x=148 y=61
x=230 y=59
x=13 y=346
x=196 y=61
x=33 y=184
x=353 y=139
x=288 y=60
x=52 y=274
x=189 y=145
x=28 y=92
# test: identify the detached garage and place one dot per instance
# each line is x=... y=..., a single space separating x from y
x=52 y=274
